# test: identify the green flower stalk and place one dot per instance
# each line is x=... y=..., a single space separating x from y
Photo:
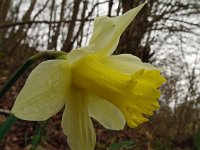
x=113 y=89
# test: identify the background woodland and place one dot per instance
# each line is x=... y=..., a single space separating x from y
x=165 y=33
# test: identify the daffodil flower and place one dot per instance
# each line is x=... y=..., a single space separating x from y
x=112 y=89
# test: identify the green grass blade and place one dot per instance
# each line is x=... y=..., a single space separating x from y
x=197 y=141
x=39 y=132
x=5 y=128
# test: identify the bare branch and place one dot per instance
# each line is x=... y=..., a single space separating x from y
x=8 y=25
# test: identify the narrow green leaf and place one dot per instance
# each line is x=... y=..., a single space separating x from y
x=197 y=141
x=15 y=77
x=7 y=125
x=39 y=132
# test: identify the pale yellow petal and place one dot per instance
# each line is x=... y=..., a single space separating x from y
x=76 y=122
x=107 y=31
x=76 y=54
x=105 y=113
x=44 y=92
x=106 y=34
x=126 y=63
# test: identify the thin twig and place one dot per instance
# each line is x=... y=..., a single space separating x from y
x=4 y=111
x=7 y=25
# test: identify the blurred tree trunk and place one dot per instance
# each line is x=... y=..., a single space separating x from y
x=21 y=33
x=57 y=32
x=67 y=46
x=131 y=39
x=4 y=7
x=13 y=50
x=110 y=5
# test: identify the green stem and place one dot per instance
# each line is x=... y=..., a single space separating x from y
x=42 y=55
x=15 y=76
